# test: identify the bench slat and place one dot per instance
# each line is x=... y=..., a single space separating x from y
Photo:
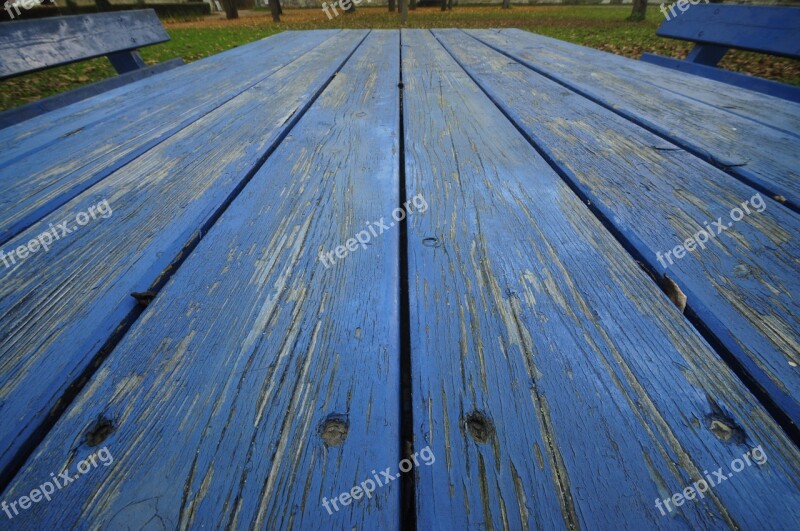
x=757 y=84
x=163 y=202
x=264 y=344
x=45 y=161
x=657 y=196
x=766 y=29
x=30 y=45
x=524 y=309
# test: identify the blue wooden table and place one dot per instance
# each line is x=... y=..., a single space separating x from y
x=397 y=279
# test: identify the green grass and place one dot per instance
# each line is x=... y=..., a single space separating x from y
x=602 y=27
x=193 y=44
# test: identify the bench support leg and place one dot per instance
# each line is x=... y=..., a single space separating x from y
x=124 y=62
x=706 y=54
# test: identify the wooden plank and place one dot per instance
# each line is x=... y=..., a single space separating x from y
x=766 y=86
x=553 y=380
x=31 y=45
x=657 y=196
x=766 y=110
x=40 y=133
x=51 y=103
x=769 y=111
x=46 y=167
x=35 y=132
x=725 y=139
x=254 y=345
x=772 y=30
x=58 y=308
x=94 y=125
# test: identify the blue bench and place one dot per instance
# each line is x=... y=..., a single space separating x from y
x=717 y=28
x=28 y=46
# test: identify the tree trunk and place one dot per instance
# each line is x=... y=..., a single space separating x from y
x=506 y=4
x=444 y=5
x=639 y=10
x=403 y=11
x=230 y=9
x=412 y=4
x=274 y=8
x=392 y=7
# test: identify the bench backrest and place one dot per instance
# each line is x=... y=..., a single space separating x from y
x=31 y=45
x=765 y=29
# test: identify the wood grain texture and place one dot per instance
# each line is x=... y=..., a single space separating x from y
x=767 y=110
x=51 y=103
x=52 y=159
x=35 y=132
x=58 y=308
x=554 y=382
x=218 y=392
x=760 y=155
x=30 y=45
x=742 y=285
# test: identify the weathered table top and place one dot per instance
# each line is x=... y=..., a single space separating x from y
x=453 y=247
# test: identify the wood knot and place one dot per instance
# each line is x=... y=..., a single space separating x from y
x=722 y=426
x=99 y=431
x=333 y=430
x=432 y=242
x=479 y=426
